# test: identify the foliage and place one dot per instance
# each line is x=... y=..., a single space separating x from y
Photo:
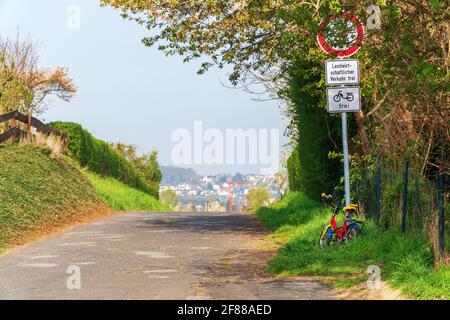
x=101 y=158
x=293 y=166
x=38 y=191
x=312 y=172
x=406 y=261
x=421 y=199
x=26 y=86
x=257 y=197
x=250 y=35
x=169 y=197
x=147 y=164
x=404 y=63
x=122 y=197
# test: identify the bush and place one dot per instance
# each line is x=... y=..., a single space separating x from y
x=293 y=167
x=169 y=197
x=258 y=197
x=99 y=157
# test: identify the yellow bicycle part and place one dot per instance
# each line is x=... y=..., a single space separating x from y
x=325 y=231
x=351 y=207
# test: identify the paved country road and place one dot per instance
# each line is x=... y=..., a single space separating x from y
x=151 y=256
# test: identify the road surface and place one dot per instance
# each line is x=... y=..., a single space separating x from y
x=151 y=256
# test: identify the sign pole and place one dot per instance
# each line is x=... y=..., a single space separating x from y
x=346 y=162
x=341 y=73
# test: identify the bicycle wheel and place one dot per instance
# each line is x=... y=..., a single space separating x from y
x=352 y=232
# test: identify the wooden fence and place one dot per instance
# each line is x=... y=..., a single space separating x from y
x=15 y=132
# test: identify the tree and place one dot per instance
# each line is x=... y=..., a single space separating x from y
x=405 y=63
x=249 y=35
x=26 y=86
x=146 y=164
x=169 y=197
x=258 y=197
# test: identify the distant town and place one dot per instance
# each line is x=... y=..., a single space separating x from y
x=222 y=192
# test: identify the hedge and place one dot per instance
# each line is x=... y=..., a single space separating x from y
x=99 y=157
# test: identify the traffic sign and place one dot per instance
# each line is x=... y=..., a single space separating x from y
x=354 y=36
x=341 y=72
x=343 y=99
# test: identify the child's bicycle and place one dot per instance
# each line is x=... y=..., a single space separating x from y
x=350 y=229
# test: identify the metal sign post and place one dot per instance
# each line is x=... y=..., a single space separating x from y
x=343 y=99
x=341 y=73
x=346 y=162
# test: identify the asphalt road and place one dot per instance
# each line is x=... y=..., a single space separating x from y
x=151 y=256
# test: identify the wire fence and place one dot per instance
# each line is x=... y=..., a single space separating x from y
x=407 y=201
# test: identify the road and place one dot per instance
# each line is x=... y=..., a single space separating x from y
x=151 y=256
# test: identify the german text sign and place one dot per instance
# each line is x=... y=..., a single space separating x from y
x=344 y=99
x=341 y=72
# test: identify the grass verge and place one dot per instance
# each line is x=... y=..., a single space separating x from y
x=406 y=261
x=39 y=193
x=121 y=197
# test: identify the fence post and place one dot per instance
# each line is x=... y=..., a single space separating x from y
x=441 y=222
x=12 y=126
x=366 y=195
x=378 y=191
x=405 y=196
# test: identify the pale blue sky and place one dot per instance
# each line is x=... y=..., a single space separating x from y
x=117 y=75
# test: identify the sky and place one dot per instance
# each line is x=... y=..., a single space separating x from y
x=128 y=92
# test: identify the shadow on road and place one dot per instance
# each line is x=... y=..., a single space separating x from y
x=197 y=222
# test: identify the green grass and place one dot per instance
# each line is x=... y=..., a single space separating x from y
x=35 y=187
x=121 y=197
x=406 y=262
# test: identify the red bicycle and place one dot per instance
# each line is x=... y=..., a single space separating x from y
x=349 y=230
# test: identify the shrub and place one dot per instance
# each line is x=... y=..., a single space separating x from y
x=258 y=197
x=169 y=197
x=99 y=157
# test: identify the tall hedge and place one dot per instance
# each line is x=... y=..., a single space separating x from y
x=311 y=170
x=100 y=158
x=293 y=166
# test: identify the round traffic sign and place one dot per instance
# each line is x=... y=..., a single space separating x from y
x=341 y=35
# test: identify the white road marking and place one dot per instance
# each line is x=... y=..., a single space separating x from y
x=153 y=254
x=84 y=232
x=161 y=271
x=76 y=244
x=38 y=265
x=44 y=256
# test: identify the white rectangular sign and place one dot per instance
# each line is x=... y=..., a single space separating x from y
x=341 y=72
x=344 y=99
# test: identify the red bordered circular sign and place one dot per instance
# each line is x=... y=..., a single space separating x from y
x=355 y=35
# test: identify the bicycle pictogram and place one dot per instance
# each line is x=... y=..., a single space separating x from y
x=339 y=96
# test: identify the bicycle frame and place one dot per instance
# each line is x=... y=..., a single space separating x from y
x=341 y=233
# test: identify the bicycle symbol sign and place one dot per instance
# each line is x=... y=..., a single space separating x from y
x=343 y=99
